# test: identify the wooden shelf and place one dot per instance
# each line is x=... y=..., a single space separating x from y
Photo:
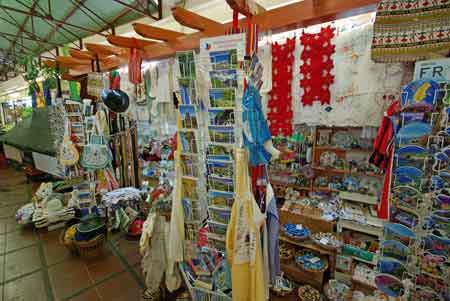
x=347 y=172
x=295 y=273
x=373 y=262
x=358 y=197
x=275 y=183
x=340 y=149
x=308 y=244
x=374 y=231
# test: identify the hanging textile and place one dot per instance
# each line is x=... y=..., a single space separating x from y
x=134 y=66
x=255 y=128
x=410 y=30
x=317 y=65
x=382 y=155
x=114 y=80
x=280 y=103
x=243 y=243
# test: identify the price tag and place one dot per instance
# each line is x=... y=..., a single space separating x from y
x=299 y=227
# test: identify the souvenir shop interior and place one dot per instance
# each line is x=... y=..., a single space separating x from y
x=295 y=151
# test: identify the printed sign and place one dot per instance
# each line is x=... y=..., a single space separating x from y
x=438 y=70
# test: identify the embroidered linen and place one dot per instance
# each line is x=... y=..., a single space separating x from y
x=409 y=30
x=280 y=104
x=317 y=66
x=358 y=96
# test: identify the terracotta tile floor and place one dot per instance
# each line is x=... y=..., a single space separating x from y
x=34 y=266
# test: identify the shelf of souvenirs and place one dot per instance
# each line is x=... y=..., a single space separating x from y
x=341 y=149
x=308 y=244
x=359 y=227
x=359 y=283
x=347 y=172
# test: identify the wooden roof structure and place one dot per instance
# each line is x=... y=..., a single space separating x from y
x=165 y=43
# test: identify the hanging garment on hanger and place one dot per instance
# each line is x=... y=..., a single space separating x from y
x=134 y=66
x=317 y=66
x=382 y=156
x=153 y=249
x=243 y=241
x=280 y=103
x=177 y=231
x=256 y=130
x=273 y=227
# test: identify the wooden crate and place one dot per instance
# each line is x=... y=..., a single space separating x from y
x=296 y=274
x=314 y=223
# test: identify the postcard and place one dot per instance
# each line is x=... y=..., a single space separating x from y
x=222 y=98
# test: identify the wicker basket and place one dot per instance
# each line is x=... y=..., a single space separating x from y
x=92 y=248
x=70 y=246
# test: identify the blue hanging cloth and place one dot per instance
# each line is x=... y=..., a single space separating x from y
x=256 y=129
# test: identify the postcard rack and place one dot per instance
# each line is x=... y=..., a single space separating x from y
x=415 y=250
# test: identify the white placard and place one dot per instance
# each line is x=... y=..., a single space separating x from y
x=47 y=164
x=234 y=41
x=438 y=70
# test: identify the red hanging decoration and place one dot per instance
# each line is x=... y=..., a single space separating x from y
x=280 y=113
x=317 y=66
x=134 y=66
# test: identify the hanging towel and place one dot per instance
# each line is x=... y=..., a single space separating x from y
x=243 y=242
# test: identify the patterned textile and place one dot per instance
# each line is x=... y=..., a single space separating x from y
x=280 y=104
x=410 y=30
x=317 y=66
x=362 y=90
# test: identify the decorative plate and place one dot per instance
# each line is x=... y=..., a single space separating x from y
x=327 y=159
x=342 y=139
x=394 y=231
x=389 y=285
x=395 y=249
x=420 y=93
x=437 y=245
x=414 y=130
x=391 y=266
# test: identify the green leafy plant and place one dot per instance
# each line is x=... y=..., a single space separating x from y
x=51 y=76
x=31 y=73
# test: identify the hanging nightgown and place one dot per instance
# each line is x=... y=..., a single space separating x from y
x=243 y=242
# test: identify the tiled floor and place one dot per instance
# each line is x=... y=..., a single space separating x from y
x=35 y=266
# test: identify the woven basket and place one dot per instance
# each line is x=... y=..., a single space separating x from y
x=70 y=246
x=92 y=248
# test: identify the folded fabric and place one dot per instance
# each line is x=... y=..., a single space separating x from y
x=122 y=194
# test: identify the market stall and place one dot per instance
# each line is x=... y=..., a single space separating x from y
x=255 y=162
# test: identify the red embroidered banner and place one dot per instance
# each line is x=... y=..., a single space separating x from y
x=317 y=65
x=280 y=104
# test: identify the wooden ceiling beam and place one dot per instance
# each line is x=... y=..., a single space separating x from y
x=100 y=49
x=296 y=15
x=85 y=54
x=127 y=42
x=50 y=63
x=195 y=21
x=68 y=61
x=156 y=33
x=310 y=12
